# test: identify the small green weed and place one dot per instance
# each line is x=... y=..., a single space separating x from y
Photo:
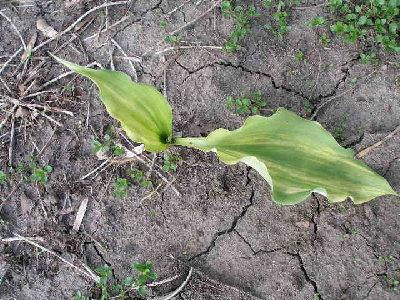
x=120 y=291
x=245 y=106
x=39 y=174
x=170 y=162
x=138 y=176
x=324 y=39
x=3 y=224
x=317 y=22
x=394 y=284
x=378 y=17
x=173 y=39
x=397 y=82
x=3 y=177
x=347 y=235
x=164 y=24
x=300 y=57
x=386 y=259
x=109 y=146
x=369 y=59
x=121 y=187
x=342 y=209
x=242 y=17
x=338 y=131
x=69 y=88
x=308 y=107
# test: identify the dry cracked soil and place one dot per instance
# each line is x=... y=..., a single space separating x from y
x=215 y=218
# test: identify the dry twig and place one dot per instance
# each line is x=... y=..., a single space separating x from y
x=72 y=26
x=322 y=105
x=10 y=59
x=365 y=151
x=91 y=275
x=15 y=28
x=135 y=78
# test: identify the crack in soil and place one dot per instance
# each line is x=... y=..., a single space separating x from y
x=228 y=230
x=307 y=277
x=261 y=251
x=314 y=101
x=390 y=165
x=317 y=214
x=244 y=69
x=162 y=210
x=102 y=258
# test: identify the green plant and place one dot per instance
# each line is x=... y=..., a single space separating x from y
x=246 y=106
x=338 y=131
x=170 y=161
x=300 y=57
x=368 y=58
x=394 y=284
x=317 y=22
x=281 y=23
x=121 y=187
x=295 y=156
x=69 y=88
x=4 y=224
x=39 y=174
x=324 y=39
x=173 y=39
x=386 y=259
x=308 y=107
x=164 y=24
x=120 y=291
x=3 y=177
x=242 y=17
x=109 y=146
x=380 y=18
x=138 y=177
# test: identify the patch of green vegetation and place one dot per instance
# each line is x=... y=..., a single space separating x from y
x=4 y=224
x=121 y=187
x=300 y=57
x=173 y=39
x=164 y=24
x=324 y=39
x=241 y=20
x=109 y=146
x=347 y=235
x=394 y=284
x=338 y=131
x=353 y=81
x=378 y=17
x=69 y=88
x=317 y=22
x=397 y=82
x=342 y=208
x=138 y=176
x=3 y=177
x=170 y=162
x=246 y=106
x=120 y=291
x=369 y=59
x=308 y=107
x=386 y=259
x=281 y=24
x=39 y=174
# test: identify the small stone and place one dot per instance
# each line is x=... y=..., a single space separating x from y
x=303 y=224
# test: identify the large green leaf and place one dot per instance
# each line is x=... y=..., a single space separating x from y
x=144 y=113
x=296 y=157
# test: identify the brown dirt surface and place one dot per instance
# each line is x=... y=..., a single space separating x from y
x=223 y=223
